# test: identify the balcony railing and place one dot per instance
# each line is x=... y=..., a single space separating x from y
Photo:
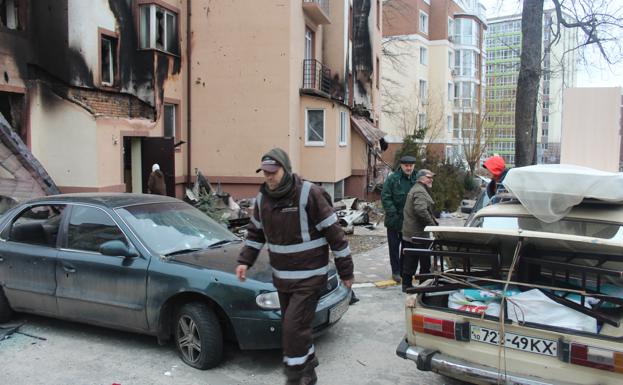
x=316 y=76
x=317 y=10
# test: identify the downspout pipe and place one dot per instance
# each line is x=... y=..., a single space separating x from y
x=188 y=93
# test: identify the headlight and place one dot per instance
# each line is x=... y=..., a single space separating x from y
x=268 y=300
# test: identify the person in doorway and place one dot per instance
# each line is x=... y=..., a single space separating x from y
x=496 y=167
x=418 y=213
x=295 y=219
x=393 y=196
x=155 y=183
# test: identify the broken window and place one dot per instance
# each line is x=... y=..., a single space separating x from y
x=314 y=127
x=11 y=108
x=37 y=226
x=109 y=60
x=158 y=28
x=169 y=120
x=10 y=14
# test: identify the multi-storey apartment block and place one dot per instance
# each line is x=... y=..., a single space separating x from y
x=503 y=44
x=289 y=74
x=98 y=91
x=434 y=72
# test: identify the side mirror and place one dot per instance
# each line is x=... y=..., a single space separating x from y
x=116 y=249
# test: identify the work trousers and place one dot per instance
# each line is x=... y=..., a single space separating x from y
x=297 y=313
x=410 y=264
x=394 y=239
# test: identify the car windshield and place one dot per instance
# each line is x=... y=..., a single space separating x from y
x=604 y=230
x=169 y=228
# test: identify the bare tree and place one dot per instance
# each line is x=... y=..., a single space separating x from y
x=475 y=139
x=599 y=23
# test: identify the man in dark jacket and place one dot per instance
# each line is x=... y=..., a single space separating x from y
x=155 y=183
x=418 y=213
x=496 y=167
x=295 y=219
x=393 y=196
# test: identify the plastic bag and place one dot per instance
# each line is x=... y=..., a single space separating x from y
x=458 y=301
x=534 y=306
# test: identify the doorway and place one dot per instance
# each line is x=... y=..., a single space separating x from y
x=139 y=154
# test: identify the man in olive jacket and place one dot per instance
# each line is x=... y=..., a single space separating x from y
x=393 y=196
x=295 y=219
x=418 y=213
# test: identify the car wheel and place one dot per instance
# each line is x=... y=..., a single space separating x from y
x=5 y=310
x=198 y=336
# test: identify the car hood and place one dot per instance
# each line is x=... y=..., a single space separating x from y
x=225 y=259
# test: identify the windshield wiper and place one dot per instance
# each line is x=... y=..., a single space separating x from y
x=183 y=251
x=223 y=242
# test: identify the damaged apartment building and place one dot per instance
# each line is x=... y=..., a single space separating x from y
x=98 y=91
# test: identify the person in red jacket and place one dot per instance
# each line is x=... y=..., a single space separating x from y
x=295 y=219
x=496 y=167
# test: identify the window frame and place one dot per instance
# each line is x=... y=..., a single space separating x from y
x=177 y=129
x=423 y=91
x=423 y=55
x=8 y=228
x=21 y=16
x=423 y=22
x=151 y=43
x=107 y=34
x=343 y=130
x=67 y=219
x=315 y=143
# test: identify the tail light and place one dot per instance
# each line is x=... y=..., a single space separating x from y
x=597 y=358
x=440 y=327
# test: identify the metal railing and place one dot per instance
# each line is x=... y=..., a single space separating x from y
x=323 y=4
x=316 y=76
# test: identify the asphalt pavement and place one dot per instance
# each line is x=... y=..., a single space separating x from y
x=358 y=350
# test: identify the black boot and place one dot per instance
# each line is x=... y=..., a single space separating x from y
x=309 y=373
x=293 y=374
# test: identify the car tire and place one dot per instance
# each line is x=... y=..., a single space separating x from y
x=5 y=309
x=198 y=336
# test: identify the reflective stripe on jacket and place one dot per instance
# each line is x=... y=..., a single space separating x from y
x=298 y=229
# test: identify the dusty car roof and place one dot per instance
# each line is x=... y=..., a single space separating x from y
x=594 y=211
x=111 y=200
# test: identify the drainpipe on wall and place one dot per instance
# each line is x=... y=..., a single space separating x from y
x=188 y=93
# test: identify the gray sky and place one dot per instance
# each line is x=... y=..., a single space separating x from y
x=599 y=75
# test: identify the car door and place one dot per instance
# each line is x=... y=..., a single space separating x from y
x=96 y=288
x=28 y=258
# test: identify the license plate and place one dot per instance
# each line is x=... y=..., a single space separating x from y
x=515 y=341
x=337 y=311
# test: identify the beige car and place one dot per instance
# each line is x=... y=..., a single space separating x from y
x=562 y=311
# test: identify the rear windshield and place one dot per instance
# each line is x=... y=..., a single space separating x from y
x=584 y=228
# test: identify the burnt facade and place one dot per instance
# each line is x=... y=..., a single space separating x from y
x=92 y=77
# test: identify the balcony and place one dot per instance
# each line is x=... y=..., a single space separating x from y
x=317 y=11
x=316 y=78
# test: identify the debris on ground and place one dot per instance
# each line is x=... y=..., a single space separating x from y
x=353 y=212
x=219 y=205
x=7 y=330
